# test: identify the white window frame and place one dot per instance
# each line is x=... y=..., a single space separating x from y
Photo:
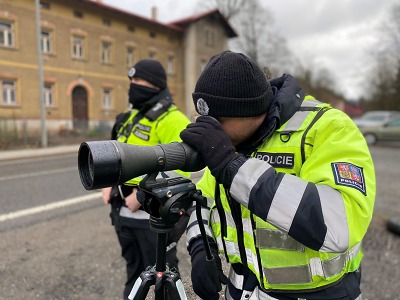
x=130 y=56
x=210 y=37
x=107 y=98
x=47 y=41
x=152 y=54
x=171 y=65
x=7 y=34
x=8 y=89
x=106 y=48
x=78 y=46
x=48 y=94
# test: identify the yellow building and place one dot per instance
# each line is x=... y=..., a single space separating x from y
x=87 y=48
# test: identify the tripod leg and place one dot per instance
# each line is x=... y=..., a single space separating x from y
x=142 y=285
x=174 y=287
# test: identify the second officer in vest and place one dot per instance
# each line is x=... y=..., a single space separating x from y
x=290 y=184
x=153 y=119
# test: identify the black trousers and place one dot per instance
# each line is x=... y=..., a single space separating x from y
x=139 y=248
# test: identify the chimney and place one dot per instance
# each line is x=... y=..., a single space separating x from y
x=154 y=13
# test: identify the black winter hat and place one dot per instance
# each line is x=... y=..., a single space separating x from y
x=150 y=70
x=232 y=85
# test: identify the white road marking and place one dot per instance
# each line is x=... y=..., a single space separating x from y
x=19 y=176
x=47 y=207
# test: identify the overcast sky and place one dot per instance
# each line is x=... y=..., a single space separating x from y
x=335 y=34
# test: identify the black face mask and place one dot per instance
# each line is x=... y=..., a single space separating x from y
x=139 y=95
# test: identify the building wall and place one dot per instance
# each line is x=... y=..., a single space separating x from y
x=20 y=62
x=200 y=47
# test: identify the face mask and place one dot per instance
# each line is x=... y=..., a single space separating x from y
x=139 y=94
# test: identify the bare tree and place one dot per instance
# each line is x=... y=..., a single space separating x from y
x=384 y=80
x=257 y=37
x=229 y=8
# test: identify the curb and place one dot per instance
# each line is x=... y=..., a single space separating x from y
x=40 y=152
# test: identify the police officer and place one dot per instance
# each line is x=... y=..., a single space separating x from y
x=292 y=184
x=153 y=119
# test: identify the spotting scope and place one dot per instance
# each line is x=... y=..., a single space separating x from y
x=108 y=163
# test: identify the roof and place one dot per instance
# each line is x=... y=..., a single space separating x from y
x=129 y=14
x=179 y=25
x=214 y=14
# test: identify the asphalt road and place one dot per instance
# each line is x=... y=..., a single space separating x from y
x=56 y=241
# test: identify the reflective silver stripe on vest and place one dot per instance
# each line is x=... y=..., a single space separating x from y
x=232 y=248
x=332 y=205
x=236 y=279
x=286 y=201
x=247 y=227
x=194 y=231
x=246 y=178
x=276 y=239
x=298 y=118
x=261 y=295
x=168 y=174
x=139 y=214
x=316 y=267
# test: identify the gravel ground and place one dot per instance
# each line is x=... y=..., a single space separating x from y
x=77 y=257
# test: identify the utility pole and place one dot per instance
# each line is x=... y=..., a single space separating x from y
x=40 y=71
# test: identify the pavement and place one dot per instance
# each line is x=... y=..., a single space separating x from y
x=8 y=155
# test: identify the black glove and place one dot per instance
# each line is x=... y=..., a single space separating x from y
x=210 y=140
x=203 y=283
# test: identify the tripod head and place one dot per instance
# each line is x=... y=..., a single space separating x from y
x=165 y=199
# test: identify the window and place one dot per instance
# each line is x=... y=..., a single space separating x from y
x=107 y=103
x=47 y=43
x=48 y=94
x=130 y=56
x=107 y=22
x=78 y=14
x=210 y=37
x=6 y=34
x=171 y=65
x=77 y=47
x=8 y=92
x=152 y=54
x=44 y=5
x=106 y=52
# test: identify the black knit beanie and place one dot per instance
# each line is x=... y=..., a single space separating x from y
x=150 y=70
x=232 y=85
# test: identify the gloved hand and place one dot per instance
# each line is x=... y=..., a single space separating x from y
x=210 y=140
x=202 y=281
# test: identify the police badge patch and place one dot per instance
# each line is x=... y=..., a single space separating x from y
x=131 y=72
x=349 y=175
x=202 y=107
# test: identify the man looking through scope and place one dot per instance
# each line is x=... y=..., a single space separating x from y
x=290 y=183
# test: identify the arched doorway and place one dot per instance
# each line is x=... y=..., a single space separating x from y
x=80 y=108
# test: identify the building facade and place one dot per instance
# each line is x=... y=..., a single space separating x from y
x=87 y=48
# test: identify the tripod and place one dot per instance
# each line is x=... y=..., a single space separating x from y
x=166 y=200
